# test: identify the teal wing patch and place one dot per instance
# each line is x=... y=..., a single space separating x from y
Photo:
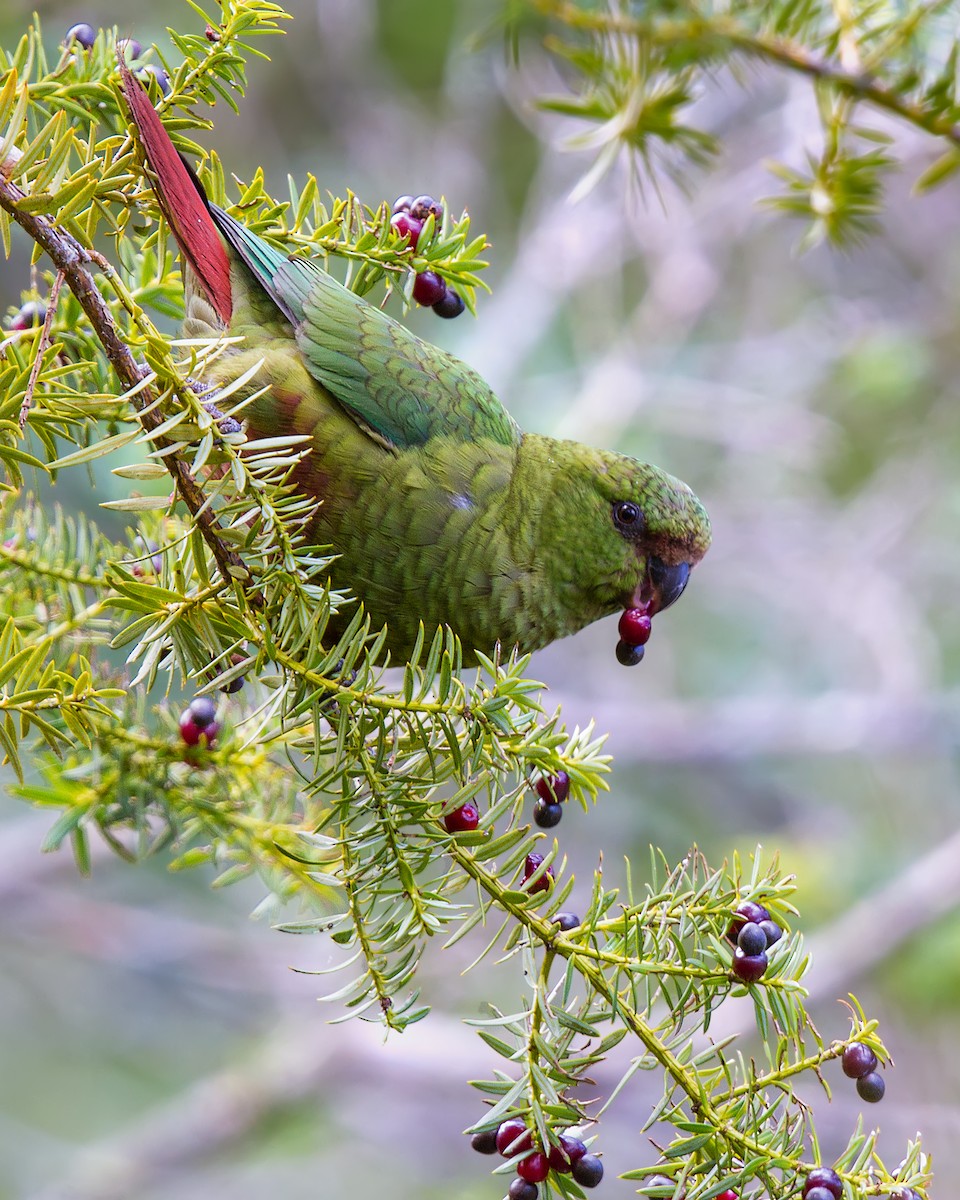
x=400 y=388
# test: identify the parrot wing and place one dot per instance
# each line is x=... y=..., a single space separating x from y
x=399 y=389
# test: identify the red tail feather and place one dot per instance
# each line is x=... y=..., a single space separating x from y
x=181 y=200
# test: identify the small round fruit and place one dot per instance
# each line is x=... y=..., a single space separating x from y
x=406 y=226
x=729 y=1194
x=513 y=1137
x=203 y=711
x=30 y=315
x=588 y=1171
x=819 y=1193
x=190 y=731
x=858 y=1060
x=521 y=1189
x=772 y=932
x=530 y=867
x=534 y=1168
x=824 y=1177
x=402 y=204
x=751 y=939
x=566 y=921
x=463 y=819
x=484 y=1142
x=749 y=910
x=158 y=73
x=554 y=789
x=748 y=968
x=233 y=686
x=656 y=1181
x=635 y=626
x=627 y=655
x=84 y=34
x=566 y=1153
x=423 y=206
x=547 y=815
x=450 y=305
x=871 y=1087
x=130 y=47
x=428 y=288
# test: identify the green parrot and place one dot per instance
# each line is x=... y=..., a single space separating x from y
x=440 y=509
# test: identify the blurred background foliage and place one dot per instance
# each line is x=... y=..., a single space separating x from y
x=804 y=694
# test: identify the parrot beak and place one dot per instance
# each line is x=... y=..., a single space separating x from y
x=666 y=582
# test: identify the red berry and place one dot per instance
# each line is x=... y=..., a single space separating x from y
x=513 y=1137
x=635 y=625
x=530 y=867
x=428 y=288
x=824 y=1177
x=190 y=731
x=554 y=789
x=871 y=1087
x=451 y=305
x=729 y=1194
x=858 y=1060
x=462 y=819
x=30 y=315
x=749 y=967
x=565 y=1153
x=407 y=226
x=534 y=1168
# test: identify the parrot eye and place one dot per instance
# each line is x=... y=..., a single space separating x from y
x=627 y=517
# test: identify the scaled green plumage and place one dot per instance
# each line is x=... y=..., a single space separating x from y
x=440 y=508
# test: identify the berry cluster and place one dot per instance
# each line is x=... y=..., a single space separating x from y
x=634 y=629
x=822 y=1183
x=409 y=215
x=753 y=932
x=567 y=1156
x=84 y=35
x=199 y=724
x=860 y=1063
x=552 y=791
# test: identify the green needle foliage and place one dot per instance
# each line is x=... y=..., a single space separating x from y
x=328 y=780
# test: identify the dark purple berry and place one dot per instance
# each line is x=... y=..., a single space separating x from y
x=749 y=967
x=553 y=789
x=871 y=1087
x=423 y=206
x=233 y=686
x=83 y=34
x=428 y=288
x=566 y=1153
x=635 y=625
x=772 y=932
x=463 y=819
x=904 y=1194
x=402 y=204
x=749 y=910
x=547 y=815
x=534 y=1168
x=203 y=711
x=858 y=1060
x=751 y=939
x=530 y=868
x=130 y=47
x=406 y=226
x=513 y=1137
x=31 y=314
x=588 y=1171
x=450 y=305
x=521 y=1189
x=566 y=921
x=824 y=1177
x=819 y=1193
x=158 y=73
x=657 y=1181
x=485 y=1142
x=627 y=655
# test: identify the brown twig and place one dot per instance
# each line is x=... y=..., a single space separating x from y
x=71 y=259
x=42 y=344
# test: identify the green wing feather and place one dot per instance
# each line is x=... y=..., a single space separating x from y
x=398 y=388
